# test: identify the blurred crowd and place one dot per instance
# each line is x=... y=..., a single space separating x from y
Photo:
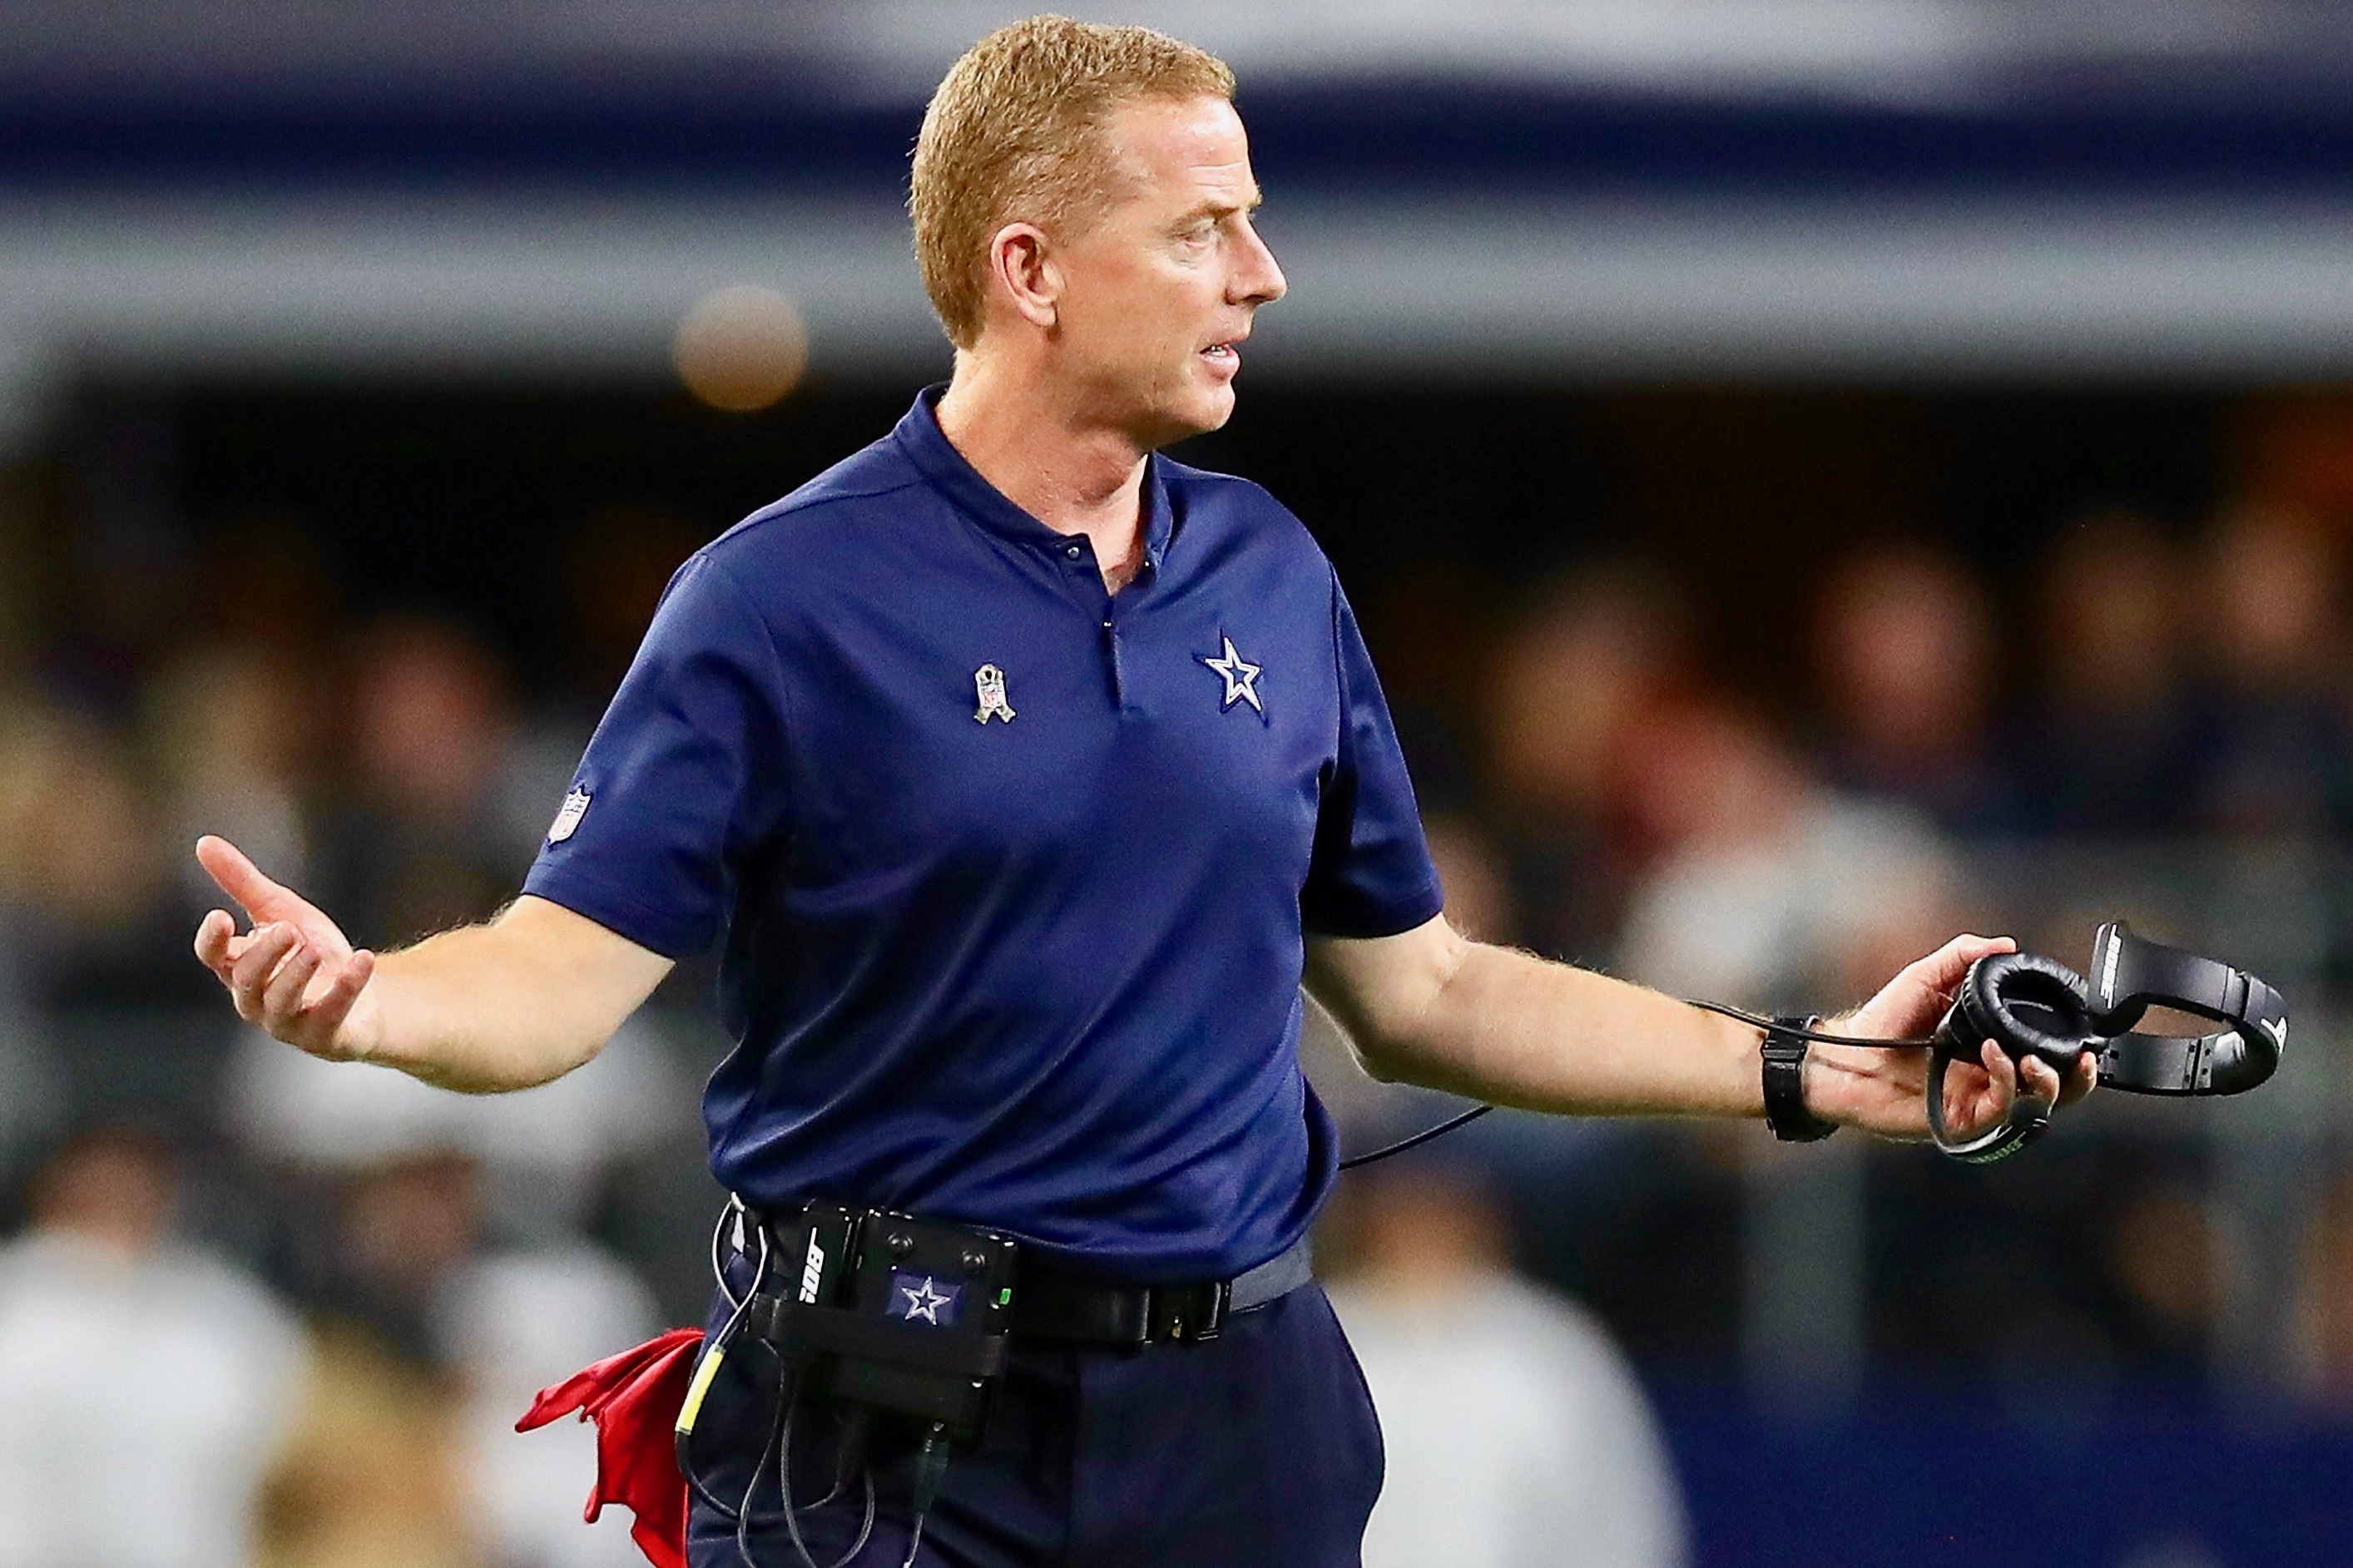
x=1630 y=806
x=332 y=1289
x=296 y=1308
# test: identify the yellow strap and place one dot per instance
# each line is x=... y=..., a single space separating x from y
x=695 y=1390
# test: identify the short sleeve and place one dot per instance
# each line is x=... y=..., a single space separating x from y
x=683 y=779
x=1371 y=873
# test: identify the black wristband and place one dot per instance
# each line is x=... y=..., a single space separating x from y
x=1784 y=1085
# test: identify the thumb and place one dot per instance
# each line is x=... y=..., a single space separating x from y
x=238 y=876
x=1944 y=969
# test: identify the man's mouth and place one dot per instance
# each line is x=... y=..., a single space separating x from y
x=1221 y=354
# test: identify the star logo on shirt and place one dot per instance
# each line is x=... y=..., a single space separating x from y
x=924 y=1301
x=1240 y=676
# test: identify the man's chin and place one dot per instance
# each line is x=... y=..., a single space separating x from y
x=1204 y=409
x=1178 y=413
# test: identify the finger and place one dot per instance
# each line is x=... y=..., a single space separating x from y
x=238 y=877
x=2039 y=1078
x=1944 y=969
x=1965 y=1088
x=334 y=1003
x=213 y=935
x=2001 y=1070
x=262 y=955
x=1977 y=1093
x=2085 y=1078
x=283 y=999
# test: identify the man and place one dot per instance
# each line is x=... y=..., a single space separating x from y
x=1023 y=775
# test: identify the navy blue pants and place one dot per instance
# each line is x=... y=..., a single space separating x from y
x=1258 y=1448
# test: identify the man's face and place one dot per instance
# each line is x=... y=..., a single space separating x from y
x=1158 y=291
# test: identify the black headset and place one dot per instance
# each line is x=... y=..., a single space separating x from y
x=2029 y=1005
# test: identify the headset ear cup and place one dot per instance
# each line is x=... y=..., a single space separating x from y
x=1980 y=1003
x=1983 y=1009
x=2028 y=1005
x=1972 y=1019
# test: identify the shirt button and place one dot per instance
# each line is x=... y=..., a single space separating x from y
x=1073 y=552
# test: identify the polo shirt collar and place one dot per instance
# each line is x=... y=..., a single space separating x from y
x=919 y=435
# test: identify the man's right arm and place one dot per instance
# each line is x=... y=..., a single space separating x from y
x=517 y=1001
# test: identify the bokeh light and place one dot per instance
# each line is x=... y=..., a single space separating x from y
x=741 y=349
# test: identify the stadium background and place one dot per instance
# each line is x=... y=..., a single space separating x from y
x=1814 y=476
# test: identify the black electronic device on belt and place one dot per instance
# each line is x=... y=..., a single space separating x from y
x=895 y=1312
x=879 y=1313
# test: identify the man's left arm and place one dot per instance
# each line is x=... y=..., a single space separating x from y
x=1428 y=1007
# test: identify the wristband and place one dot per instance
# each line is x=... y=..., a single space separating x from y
x=1784 y=1085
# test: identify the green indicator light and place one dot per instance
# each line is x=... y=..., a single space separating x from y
x=1005 y=1295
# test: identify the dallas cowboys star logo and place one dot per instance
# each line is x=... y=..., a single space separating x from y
x=924 y=1301
x=1240 y=676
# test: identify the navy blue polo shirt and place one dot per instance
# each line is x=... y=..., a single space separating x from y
x=1011 y=875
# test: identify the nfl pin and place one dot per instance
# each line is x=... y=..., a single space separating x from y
x=989 y=683
x=568 y=815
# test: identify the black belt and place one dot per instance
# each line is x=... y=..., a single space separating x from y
x=1051 y=1302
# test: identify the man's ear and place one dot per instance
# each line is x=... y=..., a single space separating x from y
x=1023 y=269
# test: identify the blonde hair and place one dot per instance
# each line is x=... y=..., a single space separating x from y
x=1013 y=132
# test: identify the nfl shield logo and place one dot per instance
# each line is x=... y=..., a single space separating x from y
x=567 y=818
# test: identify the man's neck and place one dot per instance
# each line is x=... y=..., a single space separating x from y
x=1074 y=475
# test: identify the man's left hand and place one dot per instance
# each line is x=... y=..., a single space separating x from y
x=1885 y=1090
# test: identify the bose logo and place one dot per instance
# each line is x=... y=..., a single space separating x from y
x=812 y=1271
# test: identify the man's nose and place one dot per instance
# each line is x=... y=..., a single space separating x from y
x=1257 y=280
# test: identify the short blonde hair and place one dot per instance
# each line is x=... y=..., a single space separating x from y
x=1013 y=132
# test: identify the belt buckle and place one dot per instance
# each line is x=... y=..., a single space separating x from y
x=1189 y=1315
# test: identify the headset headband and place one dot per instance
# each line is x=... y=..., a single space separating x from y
x=2130 y=974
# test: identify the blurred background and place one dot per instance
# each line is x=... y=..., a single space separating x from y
x=1816 y=475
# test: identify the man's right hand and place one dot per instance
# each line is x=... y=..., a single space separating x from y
x=294 y=973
